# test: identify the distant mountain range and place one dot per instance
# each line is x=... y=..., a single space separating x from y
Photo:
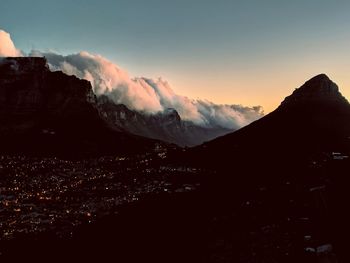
x=61 y=111
x=165 y=126
x=38 y=105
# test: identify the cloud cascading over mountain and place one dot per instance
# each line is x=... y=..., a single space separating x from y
x=140 y=94
x=147 y=95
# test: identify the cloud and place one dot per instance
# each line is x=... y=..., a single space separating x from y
x=106 y=78
x=141 y=94
x=148 y=95
x=7 y=48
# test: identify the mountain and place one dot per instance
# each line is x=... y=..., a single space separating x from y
x=277 y=189
x=50 y=112
x=314 y=119
x=166 y=126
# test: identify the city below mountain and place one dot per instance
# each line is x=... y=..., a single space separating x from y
x=174 y=131
x=85 y=178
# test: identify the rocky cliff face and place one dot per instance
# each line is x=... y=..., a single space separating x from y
x=33 y=97
x=166 y=126
x=48 y=111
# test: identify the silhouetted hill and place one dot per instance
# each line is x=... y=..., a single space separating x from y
x=314 y=119
x=283 y=179
x=52 y=113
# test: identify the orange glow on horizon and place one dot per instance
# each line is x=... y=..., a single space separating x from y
x=268 y=90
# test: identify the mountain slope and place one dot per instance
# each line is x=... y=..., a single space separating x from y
x=314 y=119
x=279 y=182
x=166 y=126
x=50 y=112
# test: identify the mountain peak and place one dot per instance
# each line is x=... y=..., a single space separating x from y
x=318 y=89
x=320 y=77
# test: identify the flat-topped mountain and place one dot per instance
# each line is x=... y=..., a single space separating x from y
x=50 y=112
x=34 y=98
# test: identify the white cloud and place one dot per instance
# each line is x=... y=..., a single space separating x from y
x=148 y=95
x=140 y=94
x=7 y=48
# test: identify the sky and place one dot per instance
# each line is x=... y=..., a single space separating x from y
x=248 y=52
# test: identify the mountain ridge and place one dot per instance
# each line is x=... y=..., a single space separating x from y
x=165 y=126
x=52 y=113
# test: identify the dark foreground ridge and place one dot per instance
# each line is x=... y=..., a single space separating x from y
x=289 y=171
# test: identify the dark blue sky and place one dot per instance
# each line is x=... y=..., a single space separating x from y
x=249 y=52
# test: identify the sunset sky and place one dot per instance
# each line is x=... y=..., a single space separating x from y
x=248 y=52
